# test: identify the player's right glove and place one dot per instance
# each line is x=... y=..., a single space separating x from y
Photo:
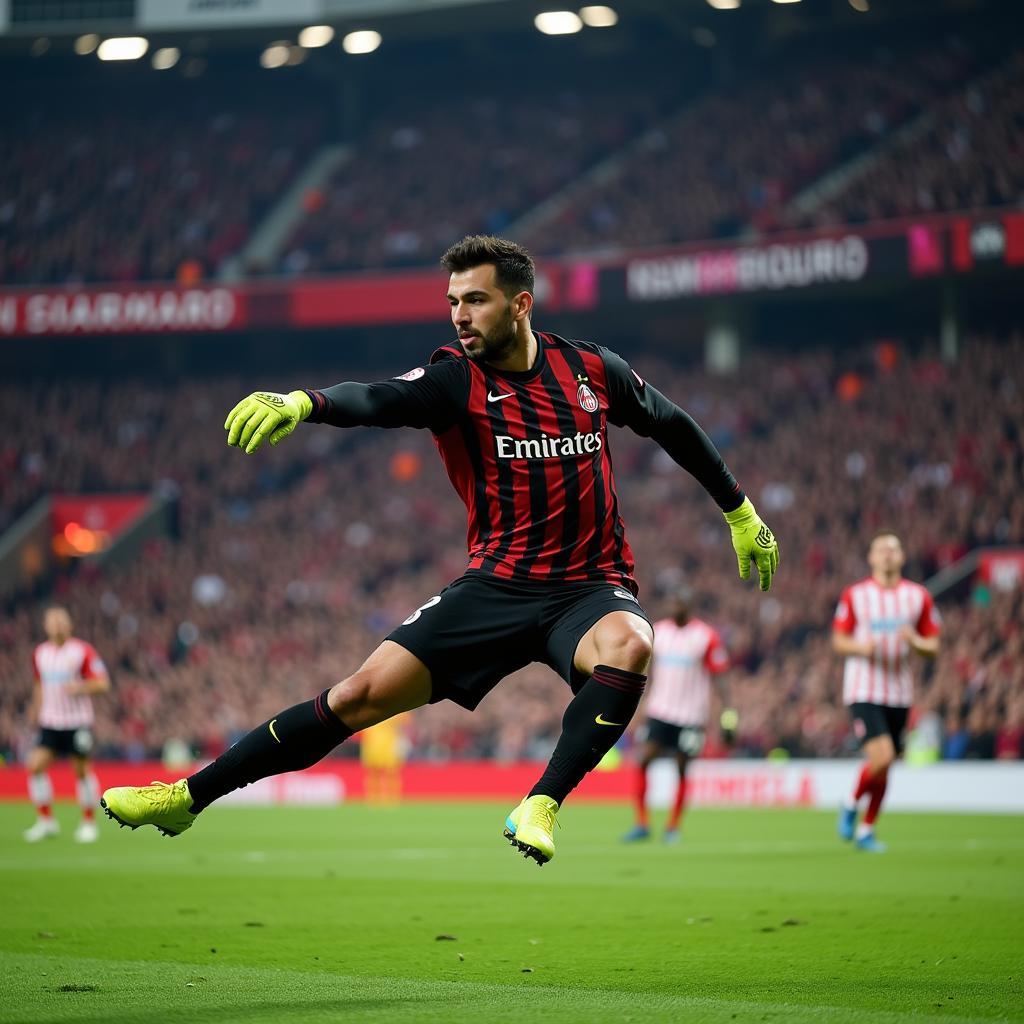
x=751 y=539
x=266 y=414
x=729 y=723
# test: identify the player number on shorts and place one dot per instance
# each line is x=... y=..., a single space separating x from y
x=422 y=608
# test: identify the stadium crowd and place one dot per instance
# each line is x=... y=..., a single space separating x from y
x=291 y=565
x=971 y=156
x=171 y=183
x=730 y=161
x=154 y=186
x=456 y=166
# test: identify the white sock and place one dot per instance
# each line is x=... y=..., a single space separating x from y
x=864 y=830
x=88 y=791
x=40 y=789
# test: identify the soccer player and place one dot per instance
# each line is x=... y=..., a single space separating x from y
x=878 y=624
x=520 y=419
x=68 y=674
x=381 y=751
x=687 y=653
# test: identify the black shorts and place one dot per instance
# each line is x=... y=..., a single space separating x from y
x=65 y=742
x=481 y=628
x=687 y=739
x=871 y=720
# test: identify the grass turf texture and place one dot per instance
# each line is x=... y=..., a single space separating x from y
x=423 y=913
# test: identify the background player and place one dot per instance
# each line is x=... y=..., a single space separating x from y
x=521 y=422
x=68 y=673
x=382 y=753
x=687 y=653
x=878 y=623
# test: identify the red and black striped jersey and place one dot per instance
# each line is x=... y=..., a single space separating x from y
x=528 y=452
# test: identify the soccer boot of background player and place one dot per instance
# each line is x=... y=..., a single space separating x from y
x=637 y=834
x=159 y=804
x=869 y=844
x=530 y=828
x=87 y=832
x=671 y=837
x=44 y=828
x=847 y=821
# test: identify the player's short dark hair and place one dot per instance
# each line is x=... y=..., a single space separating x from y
x=513 y=265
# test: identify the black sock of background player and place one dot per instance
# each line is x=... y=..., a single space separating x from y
x=611 y=695
x=295 y=739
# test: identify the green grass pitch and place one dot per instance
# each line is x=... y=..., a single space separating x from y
x=424 y=913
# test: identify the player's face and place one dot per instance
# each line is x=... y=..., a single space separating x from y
x=483 y=315
x=57 y=624
x=886 y=555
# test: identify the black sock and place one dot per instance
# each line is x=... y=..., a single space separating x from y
x=295 y=739
x=593 y=723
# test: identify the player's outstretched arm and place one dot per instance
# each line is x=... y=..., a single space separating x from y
x=646 y=411
x=266 y=414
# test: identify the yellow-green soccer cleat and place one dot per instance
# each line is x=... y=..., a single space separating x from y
x=530 y=826
x=160 y=804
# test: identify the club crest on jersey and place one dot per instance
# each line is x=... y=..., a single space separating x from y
x=412 y=374
x=587 y=399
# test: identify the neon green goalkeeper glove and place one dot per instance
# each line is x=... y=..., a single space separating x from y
x=751 y=539
x=266 y=414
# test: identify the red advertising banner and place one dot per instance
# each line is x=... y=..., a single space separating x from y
x=138 y=309
x=1004 y=570
x=912 y=247
x=757 y=784
x=109 y=512
x=84 y=524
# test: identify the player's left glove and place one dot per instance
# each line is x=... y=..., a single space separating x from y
x=729 y=723
x=751 y=539
x=266 y=414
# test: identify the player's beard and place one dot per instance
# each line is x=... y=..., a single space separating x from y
x=498 y=344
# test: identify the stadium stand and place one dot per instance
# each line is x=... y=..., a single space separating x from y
x=970 y=157
x=288 y=573
x=731 y=160
x=458 y=165
x=171 y=182
x=99 y=183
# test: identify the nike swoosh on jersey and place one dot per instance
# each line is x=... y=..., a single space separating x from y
x=491 y=397
x=602 y=721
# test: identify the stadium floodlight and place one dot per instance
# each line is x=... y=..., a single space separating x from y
x=123 y=48
x=363 y=41
x=558 y=23
x=724 y=5
x=276 y=55
x=785 y=1
x=315 y=35
x=860 y=5
x=84 y=45
x=166 y=57
x=599 y=16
